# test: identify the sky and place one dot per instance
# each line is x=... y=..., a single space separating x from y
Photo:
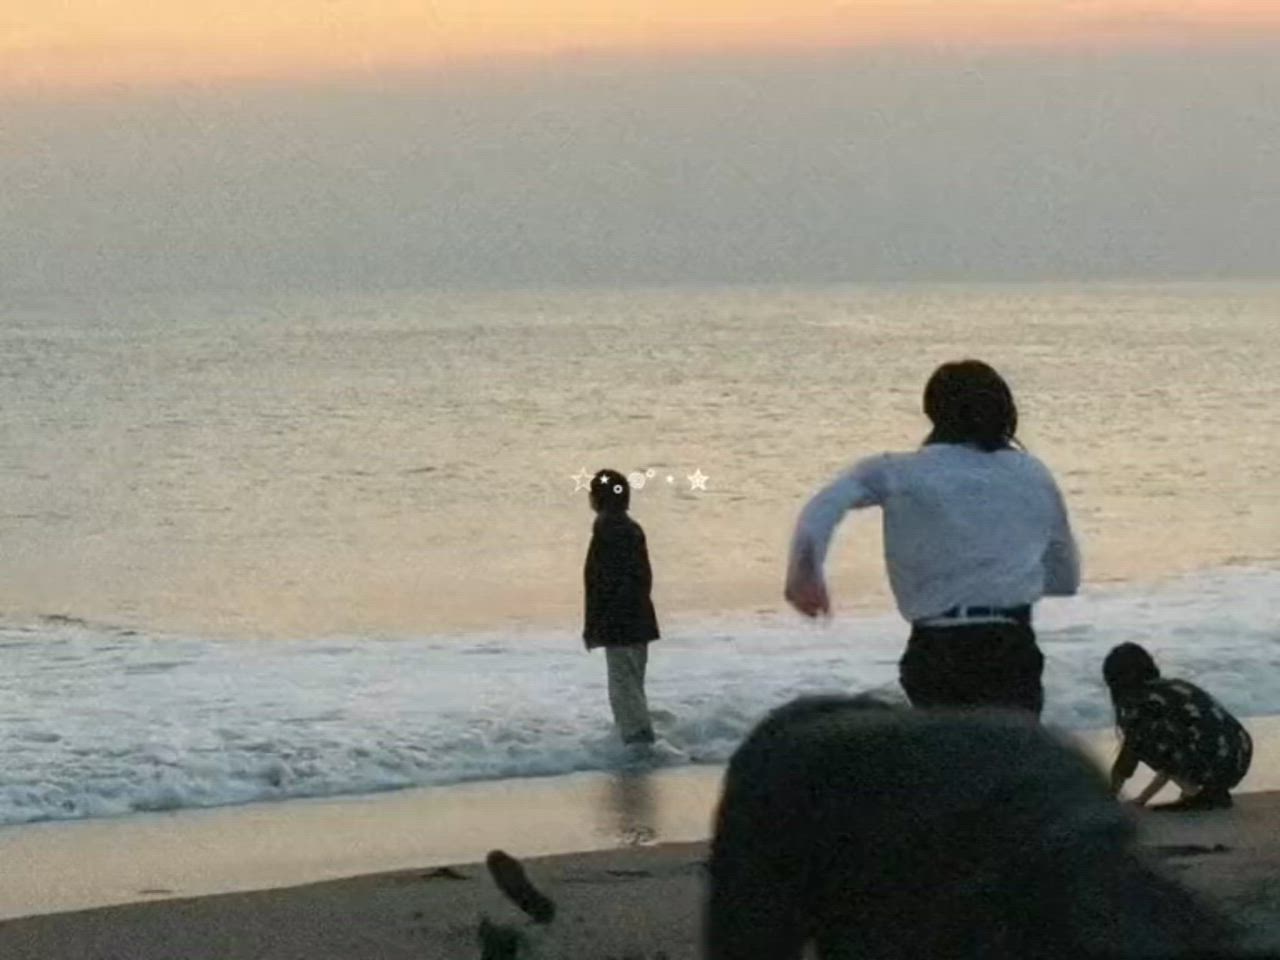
x=95 y=42
x=211 y=143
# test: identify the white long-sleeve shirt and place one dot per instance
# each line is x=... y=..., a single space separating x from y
x=962 y=527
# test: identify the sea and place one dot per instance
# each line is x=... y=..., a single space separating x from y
x=267 y=545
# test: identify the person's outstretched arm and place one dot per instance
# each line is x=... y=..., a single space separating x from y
x=863 y=485
x=1062 y=556
x=1152 y=788
x=1125 y=766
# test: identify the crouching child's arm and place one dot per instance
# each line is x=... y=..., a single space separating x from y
x=1126 y=766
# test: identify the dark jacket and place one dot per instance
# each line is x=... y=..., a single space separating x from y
x=618 y=580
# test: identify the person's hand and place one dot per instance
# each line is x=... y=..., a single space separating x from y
x=808 y=594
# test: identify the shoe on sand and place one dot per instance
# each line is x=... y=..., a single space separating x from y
x=511 y=879
x=1204 y=800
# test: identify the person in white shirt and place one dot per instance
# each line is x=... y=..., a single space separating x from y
x=975 y=532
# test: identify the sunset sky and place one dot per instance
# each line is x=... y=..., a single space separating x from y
x=93 y=42
x=212 y=144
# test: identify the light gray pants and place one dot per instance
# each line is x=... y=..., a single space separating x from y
x=626 y=691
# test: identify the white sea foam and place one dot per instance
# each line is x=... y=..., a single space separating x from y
x=96 y=721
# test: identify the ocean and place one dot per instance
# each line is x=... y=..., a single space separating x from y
x=259 y=546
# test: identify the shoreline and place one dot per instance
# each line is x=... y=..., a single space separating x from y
x=761 y=598
x=65 y=866
x=200 y=724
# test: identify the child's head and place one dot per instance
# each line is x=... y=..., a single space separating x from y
x=610 y=492
x=968 y=402
x=1127 y=667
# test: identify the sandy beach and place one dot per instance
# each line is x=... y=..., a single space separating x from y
x=633 y=902
x=336 y=342
x=398 y=875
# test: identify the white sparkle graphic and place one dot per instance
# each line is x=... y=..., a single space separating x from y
x=636 y=479
x=670 y=479
x=581 y=480
x=650 y=473
x=697 y=480
x=617 y=488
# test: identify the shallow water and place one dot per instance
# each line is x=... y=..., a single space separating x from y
x=259 y=548
x=97 y=722
x=401 y=463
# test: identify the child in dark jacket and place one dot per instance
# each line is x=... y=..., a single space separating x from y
x=619 y=611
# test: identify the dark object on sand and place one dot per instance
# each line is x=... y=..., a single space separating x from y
x=1188 y=849
x=511 y=879
x=444 y=873
x=896 y=835
x=501 y=941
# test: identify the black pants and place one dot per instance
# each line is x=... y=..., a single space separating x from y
x=974 y=665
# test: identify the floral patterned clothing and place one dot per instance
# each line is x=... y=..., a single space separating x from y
x=1176 y=728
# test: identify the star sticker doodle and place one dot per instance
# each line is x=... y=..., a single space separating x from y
x=697 y=480
x=581 y=480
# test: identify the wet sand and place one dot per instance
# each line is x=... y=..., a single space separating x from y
x=634 y=902
x=56 y=867
x=242 y=882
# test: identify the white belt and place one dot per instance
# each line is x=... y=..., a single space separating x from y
x=955 y=621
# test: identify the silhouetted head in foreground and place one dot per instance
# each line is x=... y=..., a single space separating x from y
x=968 y=402
x=610 y=492
x=878 y=833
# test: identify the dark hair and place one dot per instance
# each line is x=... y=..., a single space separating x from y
x=836 y=821
x=1127 y=667
x=610 y=492
x=968 y=402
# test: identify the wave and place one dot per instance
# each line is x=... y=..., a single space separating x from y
x=101 y=721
